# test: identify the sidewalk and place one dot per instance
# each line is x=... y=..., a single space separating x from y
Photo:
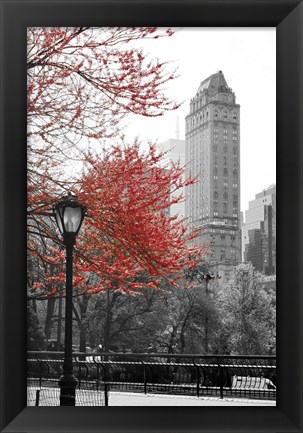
x=50 y=397
x=134 y=399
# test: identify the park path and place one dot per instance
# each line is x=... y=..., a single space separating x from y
x=134 y=399
x=50 y=397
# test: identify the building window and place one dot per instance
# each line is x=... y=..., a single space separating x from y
x=234 y=116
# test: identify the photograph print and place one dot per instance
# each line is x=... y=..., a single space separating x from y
x=151 y=229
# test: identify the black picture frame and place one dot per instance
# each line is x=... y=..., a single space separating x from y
x=287 y=17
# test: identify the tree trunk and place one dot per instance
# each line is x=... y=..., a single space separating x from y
x=182 y=340
x=80 y=317
x=111 y=299
x=172 y=339
x=59 y=325
x=49 y=311
x=49 y=317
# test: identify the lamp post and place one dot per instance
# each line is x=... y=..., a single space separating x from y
x=69 y=215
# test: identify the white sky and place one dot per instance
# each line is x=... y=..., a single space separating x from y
x=247 y=58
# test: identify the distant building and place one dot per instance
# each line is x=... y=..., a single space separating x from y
x=212 y=152
x=270 y=283
x=175 y=152
x=259 y=232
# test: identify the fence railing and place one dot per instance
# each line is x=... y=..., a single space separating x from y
x=190 y=374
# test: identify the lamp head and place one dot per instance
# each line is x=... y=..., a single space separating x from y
x=69 y=215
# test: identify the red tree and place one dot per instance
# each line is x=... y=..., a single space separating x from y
x=128 y=240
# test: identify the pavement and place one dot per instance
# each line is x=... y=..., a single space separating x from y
x=133 y=399
x=50 y=397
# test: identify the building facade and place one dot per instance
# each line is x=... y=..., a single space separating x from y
x=212 y=154
x=259 y=232
x=175 y=153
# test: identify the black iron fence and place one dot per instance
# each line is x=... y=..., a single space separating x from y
x=232 y=376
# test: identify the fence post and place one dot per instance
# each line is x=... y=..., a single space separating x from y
x=79 y=372
x=105 y=394
x=197 y=378
x=37 y=397
x=40 y=372
x=104 y=375
x=98 y=376
x=144 y=377
x=220 y=378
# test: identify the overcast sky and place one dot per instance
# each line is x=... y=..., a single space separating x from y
x=247 y=58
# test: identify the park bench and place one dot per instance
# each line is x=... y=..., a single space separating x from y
x=251 y=383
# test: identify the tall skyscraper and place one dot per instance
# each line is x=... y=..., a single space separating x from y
x=212 y=152
x=259 y=232
x=175 y=153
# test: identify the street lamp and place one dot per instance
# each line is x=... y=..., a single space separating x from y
x=69 y=215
